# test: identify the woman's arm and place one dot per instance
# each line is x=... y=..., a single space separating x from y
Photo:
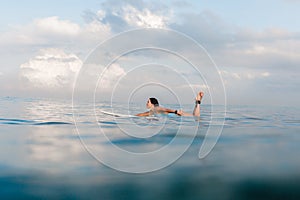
x=167 y=110
x=144 y=114
x=157 y=110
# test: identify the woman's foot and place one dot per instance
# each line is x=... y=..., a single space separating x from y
x=199 y=96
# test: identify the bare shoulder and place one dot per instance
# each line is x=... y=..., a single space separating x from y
x=158 y=108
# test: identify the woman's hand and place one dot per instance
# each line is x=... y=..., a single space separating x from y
x=180 y=112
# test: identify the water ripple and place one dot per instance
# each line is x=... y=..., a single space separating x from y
x=10 y=121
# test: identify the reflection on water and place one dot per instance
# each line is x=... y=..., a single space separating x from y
x=52 y=144
x=42 y=157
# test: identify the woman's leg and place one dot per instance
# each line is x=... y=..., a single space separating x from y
x=196 y=111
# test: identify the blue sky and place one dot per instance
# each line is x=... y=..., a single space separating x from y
x=254 y=43
x=21 y=12
x=255 y=14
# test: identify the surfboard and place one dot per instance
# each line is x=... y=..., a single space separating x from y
x=127 y=116
x=116 y=114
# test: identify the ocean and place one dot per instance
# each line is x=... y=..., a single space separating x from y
x=53 y=149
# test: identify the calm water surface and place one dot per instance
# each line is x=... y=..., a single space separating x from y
x=256 y=157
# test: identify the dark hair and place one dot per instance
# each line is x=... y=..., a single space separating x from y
x=154 y=101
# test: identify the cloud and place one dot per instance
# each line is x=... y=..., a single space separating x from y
x=111 y=75
x=205 y=27
x=55 y=71
x=143 y=18
x=196 y=87
x=50 y=69
x=274 y=41
x=265 y=74
x=269 y=57
x=55 y=26
x=55 y=32
x=93 y=74
x=238 y=47
x=250 y=61
x=41 y=31
x=229 y=76
x=125 y=15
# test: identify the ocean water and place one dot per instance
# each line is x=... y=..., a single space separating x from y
x=45 y=154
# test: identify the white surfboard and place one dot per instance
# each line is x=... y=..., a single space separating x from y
x=126 y=116
x=116 y=114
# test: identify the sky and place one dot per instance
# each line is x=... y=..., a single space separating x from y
x=255 y=47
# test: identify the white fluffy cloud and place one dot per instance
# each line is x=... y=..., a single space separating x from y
x=51 y=68
x=55 y=26
x=124 y=15
x=55 y=70
x=143 y=18
x=55 y=32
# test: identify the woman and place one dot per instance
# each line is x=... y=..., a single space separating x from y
x=154 y=108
